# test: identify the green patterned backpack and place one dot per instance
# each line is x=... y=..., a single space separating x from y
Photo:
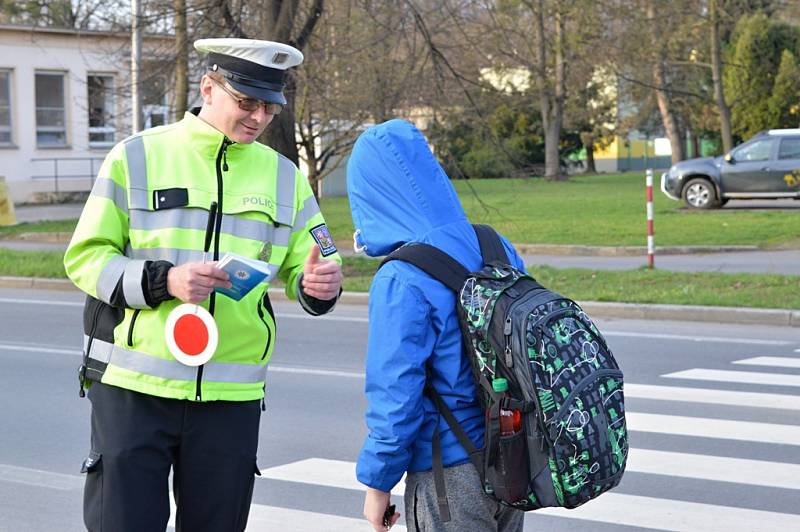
x=571 y=442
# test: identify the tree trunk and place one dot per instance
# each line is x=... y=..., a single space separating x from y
x=551 y=92
x=716 y=71
x=662 y=97
x=280 y=134
x=590 y=166
x=181 y=60
x=695 y=143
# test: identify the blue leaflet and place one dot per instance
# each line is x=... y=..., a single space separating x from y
x=244 y=274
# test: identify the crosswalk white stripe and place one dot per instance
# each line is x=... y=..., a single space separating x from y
x=667 y=514
x=716 y=468
x=323 y=472
x=714 y=428
x=268 y=518
x=777 y=362
x=341 y=474
x=611 y=507
x=710 y=396
x=688 y=338
x=743 y=377
x=632 y=390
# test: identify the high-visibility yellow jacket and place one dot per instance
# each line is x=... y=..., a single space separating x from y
x=149 y=210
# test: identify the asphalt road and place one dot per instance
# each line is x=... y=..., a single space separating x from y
x=713 y=410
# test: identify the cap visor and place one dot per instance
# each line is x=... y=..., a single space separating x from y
x=258 y=93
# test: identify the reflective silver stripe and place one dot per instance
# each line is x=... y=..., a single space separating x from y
x=284 y=191
x=137 y=173
x=282 y=235
x=109 y=278
x=309 y=210
x=244 y=228
x=108 y=188
x=197 y=219
x=132 y=284
x=174 y=255
x=174 y=370
x=181 y=256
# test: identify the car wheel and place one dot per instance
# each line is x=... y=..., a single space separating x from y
x=699 y=193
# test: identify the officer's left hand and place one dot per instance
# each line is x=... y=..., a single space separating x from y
x=322 y=278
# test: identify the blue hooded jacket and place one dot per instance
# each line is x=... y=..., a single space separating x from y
x=398 y=194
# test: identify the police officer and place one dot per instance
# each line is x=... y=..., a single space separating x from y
x=160 y=198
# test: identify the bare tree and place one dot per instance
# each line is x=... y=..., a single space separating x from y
x=181 y=59
x=281 y=21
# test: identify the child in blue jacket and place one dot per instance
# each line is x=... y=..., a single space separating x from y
x=398 y=194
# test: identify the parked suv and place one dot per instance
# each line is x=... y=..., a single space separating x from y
x=765 y=167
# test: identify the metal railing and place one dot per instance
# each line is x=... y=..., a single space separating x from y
x=61 y=173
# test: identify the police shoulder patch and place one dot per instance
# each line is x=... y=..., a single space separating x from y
x=323 y=238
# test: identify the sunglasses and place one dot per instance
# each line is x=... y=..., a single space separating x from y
x=251 y=104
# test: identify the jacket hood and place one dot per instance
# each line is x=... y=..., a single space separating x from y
x=398 y=191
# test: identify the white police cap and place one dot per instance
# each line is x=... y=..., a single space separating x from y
x=255 y=68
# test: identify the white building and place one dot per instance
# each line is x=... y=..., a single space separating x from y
x=64 y=101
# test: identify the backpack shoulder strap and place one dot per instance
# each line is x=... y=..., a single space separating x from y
x=491 y=246
x=432 y=261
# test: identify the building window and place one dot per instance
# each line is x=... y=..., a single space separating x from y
x=5 y=108
x=51 y=115
x=101 y=111
x=154 y=101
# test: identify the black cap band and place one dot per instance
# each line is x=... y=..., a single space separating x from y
x=247 y=73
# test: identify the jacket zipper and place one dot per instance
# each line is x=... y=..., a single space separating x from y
x=220 y=166
x=130 y=327
x=269 y=332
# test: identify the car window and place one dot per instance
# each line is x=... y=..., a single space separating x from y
x=790 y=148
x=760 y=150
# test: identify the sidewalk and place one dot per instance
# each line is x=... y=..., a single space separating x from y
x=731 y=259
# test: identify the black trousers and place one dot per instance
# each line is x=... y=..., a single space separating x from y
x=137 y=438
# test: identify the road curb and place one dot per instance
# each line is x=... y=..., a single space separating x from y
x=524 y=249
x=623 y=251
x=746 y=315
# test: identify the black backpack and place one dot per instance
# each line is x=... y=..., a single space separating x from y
x=572 y=444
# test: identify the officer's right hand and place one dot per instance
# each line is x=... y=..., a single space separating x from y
x=193 y=282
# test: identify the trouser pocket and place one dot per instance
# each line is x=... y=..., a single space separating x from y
x=509 y=475
x=93 y=492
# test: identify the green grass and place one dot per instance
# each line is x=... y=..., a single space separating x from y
x=47 y=264
x=48 y=226
x=605 y=210
x=638 y=286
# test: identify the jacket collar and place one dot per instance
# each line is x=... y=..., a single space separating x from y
x=205 y=138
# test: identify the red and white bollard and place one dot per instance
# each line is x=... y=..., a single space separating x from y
x=651 y=249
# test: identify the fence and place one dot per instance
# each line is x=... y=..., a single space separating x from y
x=66 y=170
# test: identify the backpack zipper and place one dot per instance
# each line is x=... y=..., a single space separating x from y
x=583 y=383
